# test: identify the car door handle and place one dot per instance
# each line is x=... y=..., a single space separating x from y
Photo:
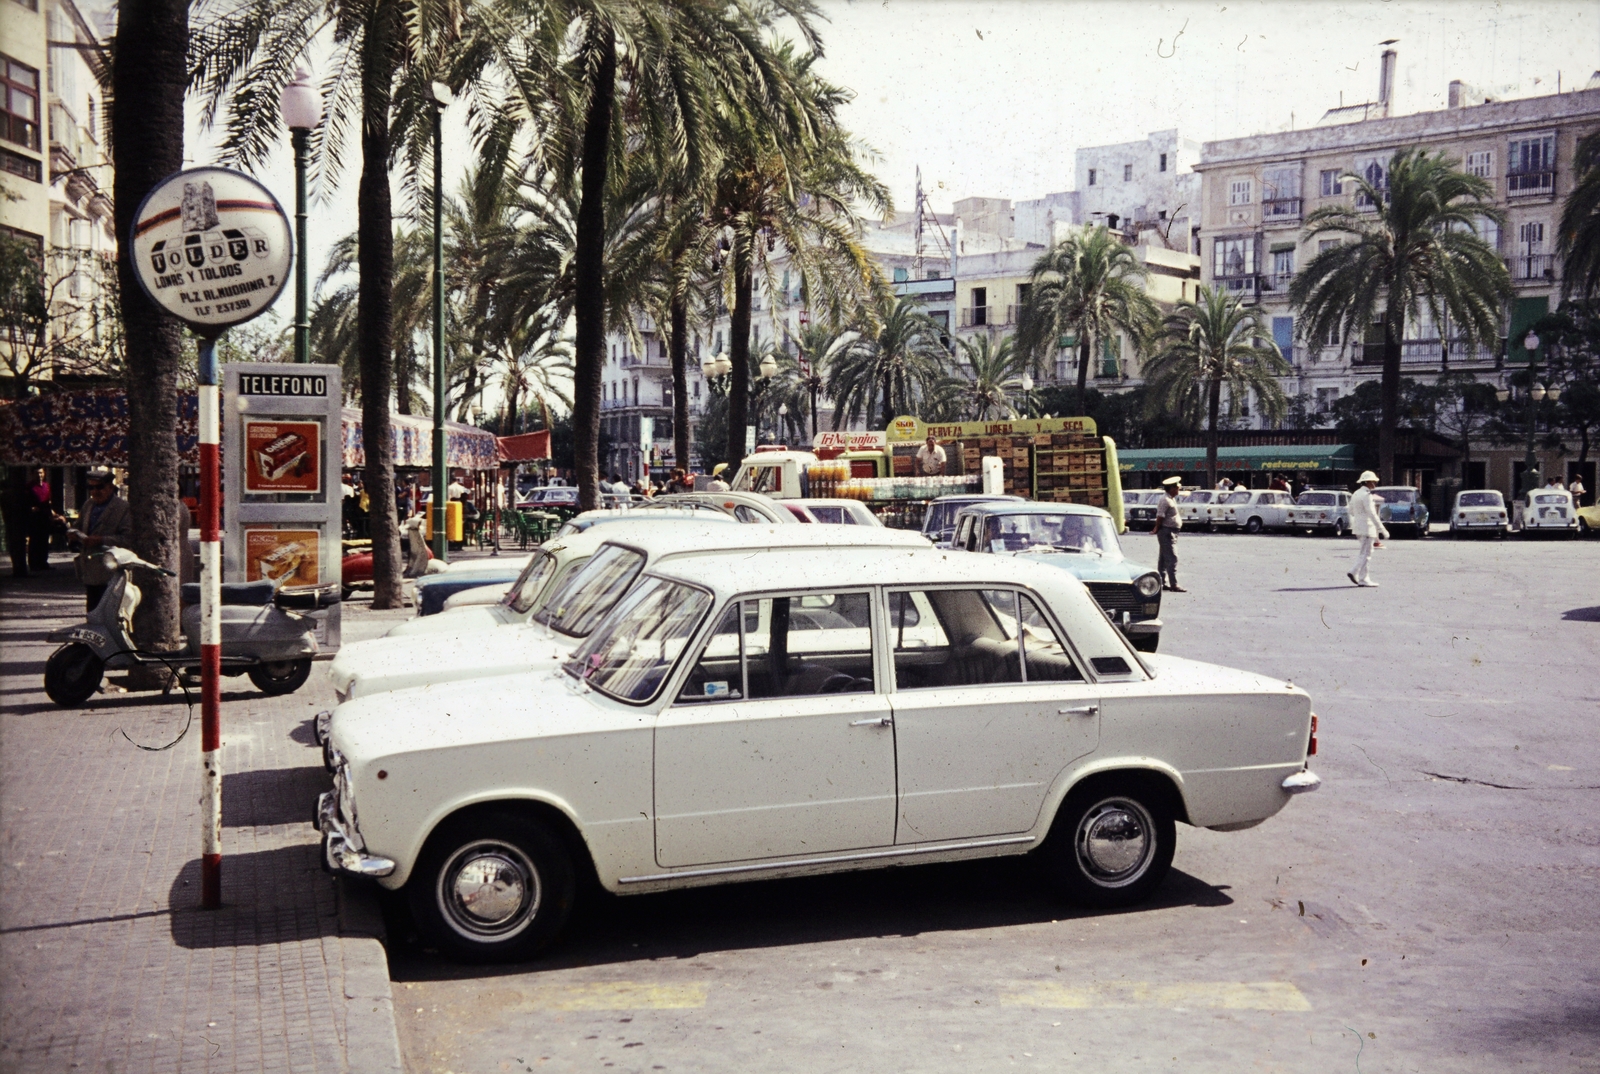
x=1080 y=710
x=876 y=721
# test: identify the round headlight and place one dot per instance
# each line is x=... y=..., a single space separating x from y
x=1148 y=586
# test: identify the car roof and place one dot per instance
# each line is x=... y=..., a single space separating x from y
x=658 y=541
x=979 y=497
x=1028 y=507
x=608 y=515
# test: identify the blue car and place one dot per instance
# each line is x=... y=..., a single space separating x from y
x=1403 y=510
x=1076 y=538
x=434 y=589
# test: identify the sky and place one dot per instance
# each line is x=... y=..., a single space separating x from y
x=992 y=98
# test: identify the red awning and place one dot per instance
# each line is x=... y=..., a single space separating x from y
x=525 y=447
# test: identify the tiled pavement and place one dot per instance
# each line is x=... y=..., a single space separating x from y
x=106 y=962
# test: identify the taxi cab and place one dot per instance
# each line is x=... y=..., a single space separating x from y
x=742 y=717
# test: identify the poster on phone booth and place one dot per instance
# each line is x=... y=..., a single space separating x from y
x=282 y=456
x=282 y=555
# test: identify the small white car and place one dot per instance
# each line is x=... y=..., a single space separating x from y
x=807 y=710
x=1139 y=509
x=1321 y=511
x=1199 y=508
x=1478 y=511
x=839 y=512
x=1254 y=510
x=1548 y=512
x=561 y=598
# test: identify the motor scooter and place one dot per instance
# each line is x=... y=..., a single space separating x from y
x=263 y=634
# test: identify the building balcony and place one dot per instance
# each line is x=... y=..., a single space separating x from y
x=1280 y=211
x=1276 y=283
x=1531 y=184
x=1431 y=354
x=1532 y=268
x=979 y=316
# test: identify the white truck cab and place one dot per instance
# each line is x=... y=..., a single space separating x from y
x=775 y=473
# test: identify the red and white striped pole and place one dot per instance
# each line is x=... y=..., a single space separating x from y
x=210 y=629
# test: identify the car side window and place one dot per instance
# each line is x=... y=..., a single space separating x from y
x=962 y=637
x=748 y=514
x=1044 y=657
x=719 y=673
x=794 y=646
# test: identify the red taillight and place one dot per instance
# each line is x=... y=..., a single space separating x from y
x=1311 y=750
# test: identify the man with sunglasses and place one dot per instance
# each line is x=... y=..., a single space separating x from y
x=104 y=522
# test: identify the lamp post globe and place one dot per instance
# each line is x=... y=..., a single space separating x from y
x=300 y=105
x=768 y=367
x=708 y=366
x=724 y=364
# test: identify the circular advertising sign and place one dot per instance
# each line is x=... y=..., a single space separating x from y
x=212 y=247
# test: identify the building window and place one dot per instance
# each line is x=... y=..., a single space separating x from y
x=19 y=110
x=900 y=275
x=19 y=165
x=1280 y=192
x=697 y=389
x=1324 y=245
x=1373 y=171
x=1233 y=260
x=1163 y=162
x=1091 y=177
x=1531 y=165
x=1330 y=185
x=1127 y=172
x=1531 y=236
x=1282 y=266
x=1239 y=192
x=1481 y=164
x=1325 y=398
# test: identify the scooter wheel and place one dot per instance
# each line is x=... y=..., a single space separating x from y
x=73 y=674
x=280 y=676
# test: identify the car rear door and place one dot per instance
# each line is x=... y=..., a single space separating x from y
x=986 y=717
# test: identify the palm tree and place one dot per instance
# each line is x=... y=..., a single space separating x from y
x=1416 y=248
x=896 y=363
x=1579 y=240
x=536 y=362
x=1088 y=285
x=820 y=345
x=991 y=377
x=1211 y=341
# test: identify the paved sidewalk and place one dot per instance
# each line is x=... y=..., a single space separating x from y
x=106 y=962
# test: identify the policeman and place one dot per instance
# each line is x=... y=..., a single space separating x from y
x=1168 y=523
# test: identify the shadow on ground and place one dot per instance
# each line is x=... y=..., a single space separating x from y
x=268 y=897
x=903 y=901
x=1582 y=615
x=269 y=796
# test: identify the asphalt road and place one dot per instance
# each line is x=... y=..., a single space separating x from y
x=1429 y=909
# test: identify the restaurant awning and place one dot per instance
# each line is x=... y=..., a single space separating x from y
x=1284 y=457
x=525 y=447
x=465 y=446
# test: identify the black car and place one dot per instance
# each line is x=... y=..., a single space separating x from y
x=939 y=525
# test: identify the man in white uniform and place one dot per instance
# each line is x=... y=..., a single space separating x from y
x=1366 y=525
x=930 y=458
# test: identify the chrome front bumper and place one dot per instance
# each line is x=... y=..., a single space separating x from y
x=1131 y=627
x=340 y=854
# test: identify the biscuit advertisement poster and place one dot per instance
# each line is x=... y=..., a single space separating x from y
x=289 y=556
x=282 y=456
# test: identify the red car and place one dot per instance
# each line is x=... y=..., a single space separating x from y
x=356 y=569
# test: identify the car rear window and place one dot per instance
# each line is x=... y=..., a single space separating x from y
x=525 y=590
x=1316 y=499
x=1480 y=499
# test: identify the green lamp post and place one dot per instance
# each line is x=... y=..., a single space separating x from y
x=441 y=486
x=301 y=107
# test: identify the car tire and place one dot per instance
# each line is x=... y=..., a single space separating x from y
x=73 y=674
x=1253 y=526
x=1111 y=844
x=1339 y=528
x=1146 y=643
x=522 y=864
x=278 y=677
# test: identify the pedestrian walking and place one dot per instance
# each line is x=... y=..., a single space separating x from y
x=1577 y=490
x=1168 y=523
x=106 y=522
x=1367 y=527
x=41 y=520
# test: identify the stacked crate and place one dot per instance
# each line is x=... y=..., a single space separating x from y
x=1070 y=468
x=1016 y=460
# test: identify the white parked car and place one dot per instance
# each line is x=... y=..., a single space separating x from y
x=555 y=608
x=1321 y=511
x=1548 y=511
x=1254 y=510
x=1478 y=511
x=1139 y=509
x=839 y=512
x=742 y=717
x=1199 y=508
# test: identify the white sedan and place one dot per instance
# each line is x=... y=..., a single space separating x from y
x=1478 y=511
x=563 y=594
x=742 y=717
x=1548 y=512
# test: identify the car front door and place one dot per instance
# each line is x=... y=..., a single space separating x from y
x=986 y=714
x=780 y=743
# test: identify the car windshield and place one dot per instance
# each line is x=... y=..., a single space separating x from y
x=1038 y=531
x=525 y=590
x=592 y=592
x=1316 y=499
x=1551 y=497
x=941 y=516
x=1235 y=497
x=1397 y=495
x=1196 y=496
x=1480 y=499
x=831 y=515
x=630 y=654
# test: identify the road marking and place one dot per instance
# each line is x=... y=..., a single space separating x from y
x=1221 y=995
x=614 y=996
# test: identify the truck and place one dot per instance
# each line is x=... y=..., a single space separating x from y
x=1060 y=460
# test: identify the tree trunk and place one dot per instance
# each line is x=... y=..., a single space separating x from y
x=678 y=355
x=1389 y=414
x=1083 y=373
x=589 y=272
x=375 y=304
x=149 y=79
x=888 y=399
x=1213 y=405
x=739 y=355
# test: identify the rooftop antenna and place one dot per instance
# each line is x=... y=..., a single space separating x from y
x=925 y=213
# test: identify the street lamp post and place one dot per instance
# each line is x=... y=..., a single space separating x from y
x=441 y=495
x=783 y=415
x=1530 y=463
x=301 y=107
x=1027 y=390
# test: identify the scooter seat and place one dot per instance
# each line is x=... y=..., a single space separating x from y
x=250 y=594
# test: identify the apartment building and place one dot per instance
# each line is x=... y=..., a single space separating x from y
x=54 y=164
x=1258 y=190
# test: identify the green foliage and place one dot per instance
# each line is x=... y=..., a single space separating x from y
x=1578 y=235
x=988 y=384
x=898 y=360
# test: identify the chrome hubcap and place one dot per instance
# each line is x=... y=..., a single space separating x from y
x=1116 y=841
x=489 y=890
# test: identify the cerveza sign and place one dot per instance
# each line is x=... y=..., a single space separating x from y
x=282 y=384
x=212 y=247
